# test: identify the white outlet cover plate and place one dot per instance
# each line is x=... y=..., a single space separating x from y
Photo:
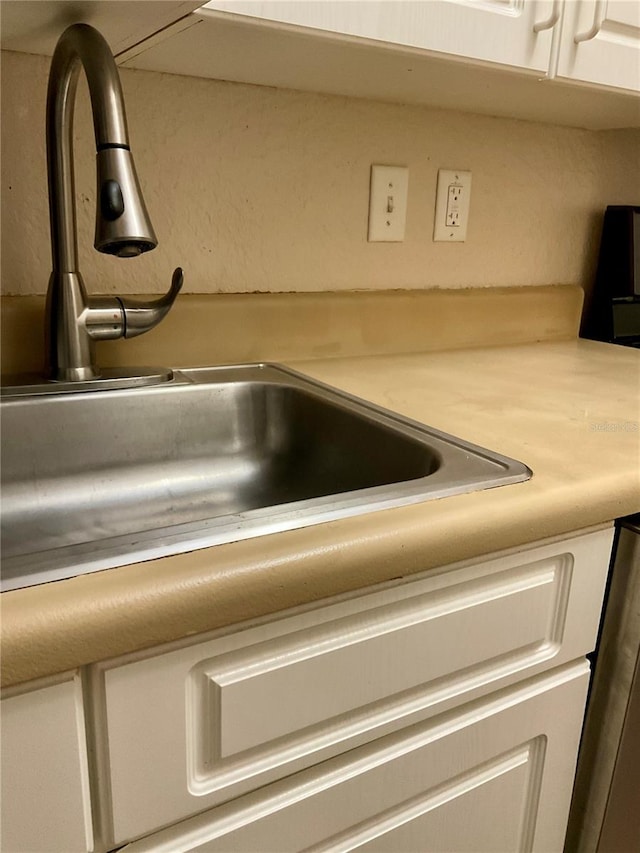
x=452 y=178
x=388 y=203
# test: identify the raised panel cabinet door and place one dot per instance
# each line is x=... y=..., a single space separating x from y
x=601 y=43
x=45 y=782
x=517 y=33
x=494 y=775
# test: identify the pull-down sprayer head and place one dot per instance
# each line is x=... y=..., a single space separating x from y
x=123 y=227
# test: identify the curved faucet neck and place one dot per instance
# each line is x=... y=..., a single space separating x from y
x=74 y=321
x=79 y=45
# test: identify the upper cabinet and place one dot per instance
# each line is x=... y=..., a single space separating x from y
x=507 y=32
x=593 y=41
x=497 y=57
x=566 y=62
x=601 y=43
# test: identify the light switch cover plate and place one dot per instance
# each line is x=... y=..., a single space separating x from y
x=388 y=203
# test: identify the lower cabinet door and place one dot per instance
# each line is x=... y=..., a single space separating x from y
x=494 y=775
x=43 y=757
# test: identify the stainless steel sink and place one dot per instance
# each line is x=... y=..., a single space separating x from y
x=97 y=479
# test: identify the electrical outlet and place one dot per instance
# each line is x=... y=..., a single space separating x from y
x=388 y=203
x=452 y=206
x=454 y=195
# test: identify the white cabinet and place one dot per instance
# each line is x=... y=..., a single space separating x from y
x=516 y=58
x=506 y=32
x=439 y=713
x=409 y=666
x=601 y=43
x=45 y=783
x=497 y=57
x=592 y=41
x=495 y=775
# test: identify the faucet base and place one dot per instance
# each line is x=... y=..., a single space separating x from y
x=18 y=385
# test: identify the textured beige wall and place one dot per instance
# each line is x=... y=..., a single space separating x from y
x=259 y=189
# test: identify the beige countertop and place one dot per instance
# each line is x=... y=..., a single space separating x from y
x=570 y=410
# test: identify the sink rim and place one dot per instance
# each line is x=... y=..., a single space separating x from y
x=37 y=567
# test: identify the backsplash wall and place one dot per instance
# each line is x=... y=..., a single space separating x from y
x=257 y=189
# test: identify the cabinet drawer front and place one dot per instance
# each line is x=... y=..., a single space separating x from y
x=223 y=717
x=495 y=775
x=281 y=687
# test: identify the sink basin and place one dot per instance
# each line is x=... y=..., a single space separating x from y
x=97 y=479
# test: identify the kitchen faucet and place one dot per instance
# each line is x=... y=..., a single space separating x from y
x=74 y=321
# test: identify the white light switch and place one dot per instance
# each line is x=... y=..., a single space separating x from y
x=388 y=203
x=452 y=206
